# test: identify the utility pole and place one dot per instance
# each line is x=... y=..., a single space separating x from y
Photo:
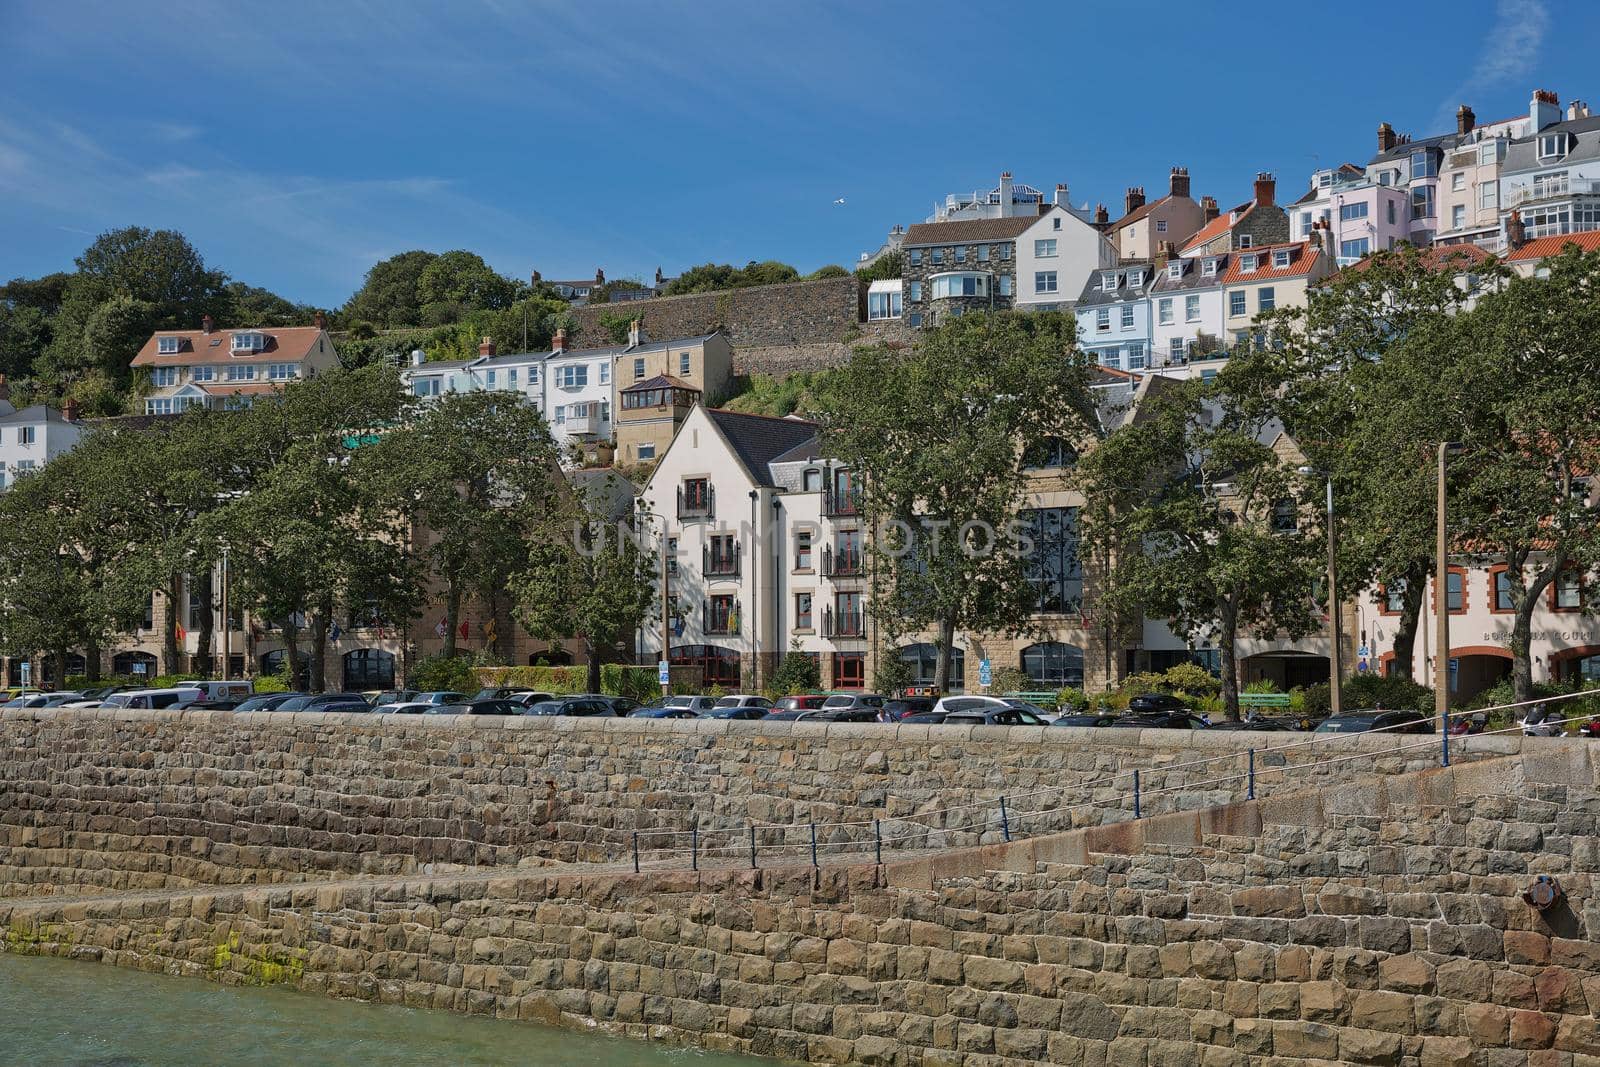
x=1335 y=669
x=1441 y=610
x=666 y=610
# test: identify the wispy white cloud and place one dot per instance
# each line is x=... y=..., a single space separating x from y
x=1510 y=51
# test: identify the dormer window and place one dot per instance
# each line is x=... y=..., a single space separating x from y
x=1247 y=263
x=1552 y=145
x=167 y=346
x=1280 y=258
x=249 y=342
x=1108 y=280
x=1135 y=278
x=1175 y=269
x=1208 y=267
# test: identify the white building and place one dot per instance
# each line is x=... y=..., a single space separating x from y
x=1056 y=256
x=32 y=437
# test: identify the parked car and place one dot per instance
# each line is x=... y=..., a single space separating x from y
x=230 y=704
x=967 y=703
x=897 y=709
x=1259 y=723
x=1542 y=721
x=1179 y=718
x=661 y=711
x=847 y=707
x=152 y=698
x=500 y=692
x=224 y=690
x=267 y=701
x=733 y=711
x=440 y=696
x=800 y=702
x=696 y=704
x=322 y=702
x=1156 y=702
x=476 y=707
x=393 y=696
x=92 y=698
x=44 y=700
x=991 y=716
x=527 y=697
x=1358 y=722
x=620 y=706
x=1590 y=728
x=576 y=705
x=403 y=707
x=744 y=700
x=1084 y=718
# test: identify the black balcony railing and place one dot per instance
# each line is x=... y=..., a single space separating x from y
x=840 y=502
x=843 y=624
x=720 y=618
x=720 y=559
x=697 y=505
x=841 y=564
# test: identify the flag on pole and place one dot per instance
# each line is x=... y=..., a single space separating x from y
x=183 y=635
x=441 y=629
x=465 y=629
x=335 y=632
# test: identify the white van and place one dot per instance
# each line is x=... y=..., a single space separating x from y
x=175 y=699
x=234 y=690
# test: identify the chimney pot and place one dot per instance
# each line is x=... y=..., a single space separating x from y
x=1178 y=183
x=486 y=347
x=537 y=277
x=559 y=344
x=1544 y=109
x=1133 y=199
x=1266 y=188
x=207 y=324
x=1386 y=138
x=320 y=320
x=599 y=276
x=1465 y=120
x=1102 y=217
x=1208 y=207
x=69 y=409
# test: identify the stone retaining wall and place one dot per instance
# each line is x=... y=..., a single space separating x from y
x=1377 y=922
x=154 y=799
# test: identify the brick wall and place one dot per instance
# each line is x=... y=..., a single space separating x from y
x=795 y=313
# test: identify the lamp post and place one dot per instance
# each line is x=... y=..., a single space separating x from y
x=227 y=619
x=1441 y=603
x=1335 y=670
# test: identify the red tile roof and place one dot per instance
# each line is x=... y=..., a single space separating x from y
x=1545 y=247
x=1217 y=227
x=287 y=344
x=1303 y=257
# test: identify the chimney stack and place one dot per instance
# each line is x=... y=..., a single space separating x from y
x=1005 y=193
x=486 y=347
x=559 y=342
x=418 y=357
x=1577 y=110
x=1133 y=199
x=1386 y=138
x=1061 y=197
x=69 y=409
x=1516 y=231
x=207 y=324
x=660 y=278
x=599 y=276
x=537 y=277
x=1465 y=120
x=1178 y=182
x=1266 y=188
x=320 y=320
x=1208 y=208
x=635 y=333
x=1102 y=217
x=1544 y=109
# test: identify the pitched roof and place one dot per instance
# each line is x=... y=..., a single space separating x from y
x=31 y=413
x=1138 y=213
x=286 y=344
x=517 y=359
x=660 y=381
x=938 y=233
x=757 y=440
x=1217 y=227
x=1545 y=247
x=1436 y=257
x=1303 y=256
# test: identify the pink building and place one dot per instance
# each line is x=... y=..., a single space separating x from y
x=1363 y=215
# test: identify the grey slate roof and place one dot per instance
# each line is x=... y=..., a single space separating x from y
x=1522 y=154
x=759 y=439
x=1192 y=278
x=967 y=230
x=31 y=413
x=519 y=359
x=1093 y=294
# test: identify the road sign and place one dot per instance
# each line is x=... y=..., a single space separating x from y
x=138 y=668
x=1363 y=652
x=27 y=673
x=985 y=675
x=663 y=672
x=1362 y=667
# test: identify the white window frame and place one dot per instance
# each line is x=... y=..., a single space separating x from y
x=1164 y=311
x=161 y=377
x=205 y=373
x=1266 y=298
x=1175 y=269
x=1108 y=281
x=1102 y=319
x=1161 y=225
x=1247 y=240
x=1248 y=263
x=683 y=363
x=1208 y=267
x=1045 y=248
x=1128 y=317
x=167 y=346
x=1191 y=308
x=1280 y=257
x=1239 y=298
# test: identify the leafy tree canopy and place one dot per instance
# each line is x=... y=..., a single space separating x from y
x=711 y=277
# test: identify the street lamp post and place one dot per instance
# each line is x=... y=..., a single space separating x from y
x=1441 y=608
x=1335 y=667
x=227 y=621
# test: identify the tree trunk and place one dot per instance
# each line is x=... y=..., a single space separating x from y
x=169 y=617
x=60 y=656
x=1522 y=622
x=1405 y=634
x=1226 y=641
x=593 y=680
x=452 y=616
x=203 y=641
x=944 y=640
x=91 y=659
x=319 y=650
x=291 y=650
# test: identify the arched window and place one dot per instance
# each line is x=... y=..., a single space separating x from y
x=123 y=662
x=275 y=661
x=720 y=666
x=1054 y=664
x=368 y=668
x=1050 y=452
x=923 y=659
x=550 y=657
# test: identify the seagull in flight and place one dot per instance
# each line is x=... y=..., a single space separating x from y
x=839 y=201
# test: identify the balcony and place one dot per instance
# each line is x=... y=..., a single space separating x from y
x=721 y=561
x=719 y=619
x=701 y=505
x=583 y=425
x=843 y=624
x=1553 y=189
x=837 y=504
x=841 y=564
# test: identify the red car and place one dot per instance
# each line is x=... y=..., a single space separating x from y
x=791 y=707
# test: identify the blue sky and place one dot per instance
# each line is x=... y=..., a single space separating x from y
x=298 y=143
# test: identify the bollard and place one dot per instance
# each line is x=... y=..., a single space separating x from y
x=814 y=862
x=1251 y=795
x=752 y=846
x=694 y=848
x=1005 y=825
x=1136 y=814
x=877 y=840
x=636 y=852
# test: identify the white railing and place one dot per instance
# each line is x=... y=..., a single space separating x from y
x=1552 y=189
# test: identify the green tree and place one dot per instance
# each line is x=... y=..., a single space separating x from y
x=712 y=277
x=796 y=673
x=887 y=267
x=584 y=580
x=1181 y=504
x=475 y=471
x=462 y=278
x=390 y=296
x=832 y=270
x=28 y=307
x=253 y=306
x=944 y=488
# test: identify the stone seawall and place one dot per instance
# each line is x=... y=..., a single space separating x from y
x=1376 y=922
x=149 y=800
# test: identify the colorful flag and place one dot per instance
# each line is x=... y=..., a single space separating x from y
x=489 y=631
x=465 y=629
x=183 y=634
x=441 y=629
x=335 y=632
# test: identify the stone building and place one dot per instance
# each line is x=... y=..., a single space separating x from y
x=1256 y=222
x=953 y=267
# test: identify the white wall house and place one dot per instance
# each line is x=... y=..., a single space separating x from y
x=32 y=437
x=1056 y=256
x=1187 y=314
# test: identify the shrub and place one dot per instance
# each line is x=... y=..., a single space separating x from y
x=1192 y=678
x=796 y=673
x=274 y=683
x=635 y=683
x=1368 y=690
x=449 y=674
x=1264 y=685
x=544 y=679
x=1070 y=700
x=1011 y=680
